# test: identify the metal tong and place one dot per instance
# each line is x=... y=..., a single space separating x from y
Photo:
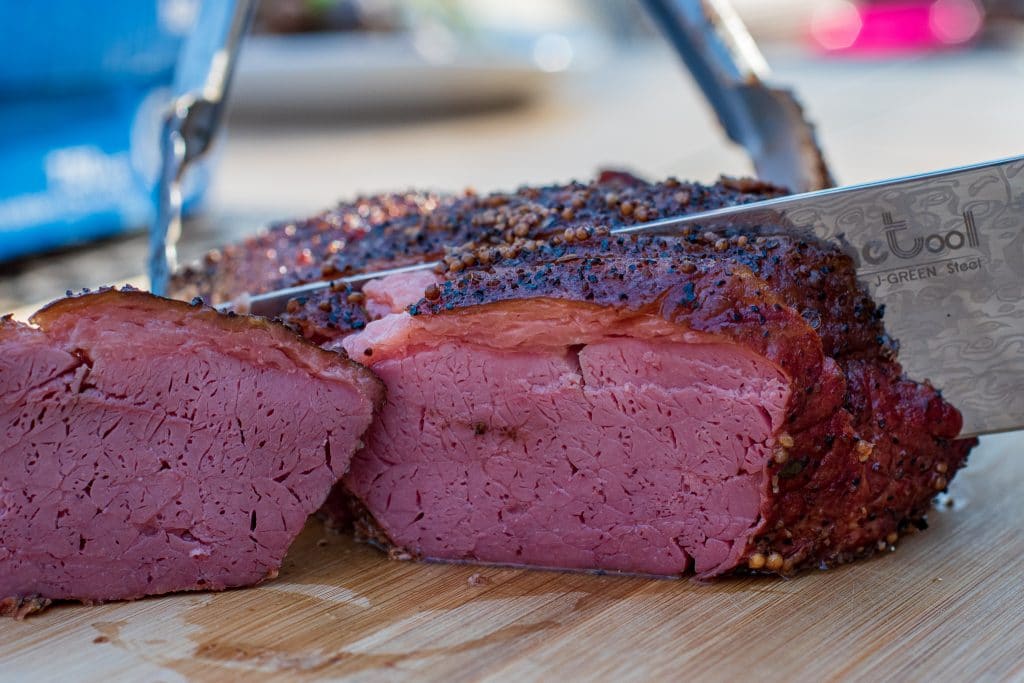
x=727 y=65
x=708 y=35
x=201 y=82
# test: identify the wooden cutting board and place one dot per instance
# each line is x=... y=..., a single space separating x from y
x=947 y=603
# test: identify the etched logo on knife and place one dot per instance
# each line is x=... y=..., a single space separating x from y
x=950 y=248
x=876 y=252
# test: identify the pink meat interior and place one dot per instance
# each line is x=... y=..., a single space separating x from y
x=623 y=454
x=141 y=457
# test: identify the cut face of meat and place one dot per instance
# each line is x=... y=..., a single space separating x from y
x=623 y=454
x=147 y=446
x=575 y=437
x=644 y=407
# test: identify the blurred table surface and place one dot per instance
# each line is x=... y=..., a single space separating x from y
x=640 y=111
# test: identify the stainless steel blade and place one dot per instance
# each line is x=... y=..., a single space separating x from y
x=943 y=251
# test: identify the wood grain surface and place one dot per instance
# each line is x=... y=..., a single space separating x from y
x=947 y=604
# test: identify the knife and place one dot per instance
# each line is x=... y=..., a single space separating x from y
x=942 y=251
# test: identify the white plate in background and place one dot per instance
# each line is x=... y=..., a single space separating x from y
x=364 y=74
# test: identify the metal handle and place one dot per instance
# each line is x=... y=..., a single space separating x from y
x=724 y=59
x=202 y=79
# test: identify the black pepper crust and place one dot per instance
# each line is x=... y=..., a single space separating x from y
x=374 y=233
x=474 y=230
x=276 y=257
x=327 y=315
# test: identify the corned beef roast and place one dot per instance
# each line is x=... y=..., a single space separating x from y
x=150 y=446
x=563 y=398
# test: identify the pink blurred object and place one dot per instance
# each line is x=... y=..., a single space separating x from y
x=885 y=28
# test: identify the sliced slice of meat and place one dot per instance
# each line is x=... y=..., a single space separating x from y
x=653 y=406
x=150 y=446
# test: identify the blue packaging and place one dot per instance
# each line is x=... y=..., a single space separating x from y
x=83 y=88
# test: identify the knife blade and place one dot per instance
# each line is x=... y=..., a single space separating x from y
x=942 y=251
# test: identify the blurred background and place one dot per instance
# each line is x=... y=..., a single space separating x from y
x=334 y=98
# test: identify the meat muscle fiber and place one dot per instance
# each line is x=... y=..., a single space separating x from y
x=563 y=398
x=150 y=446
